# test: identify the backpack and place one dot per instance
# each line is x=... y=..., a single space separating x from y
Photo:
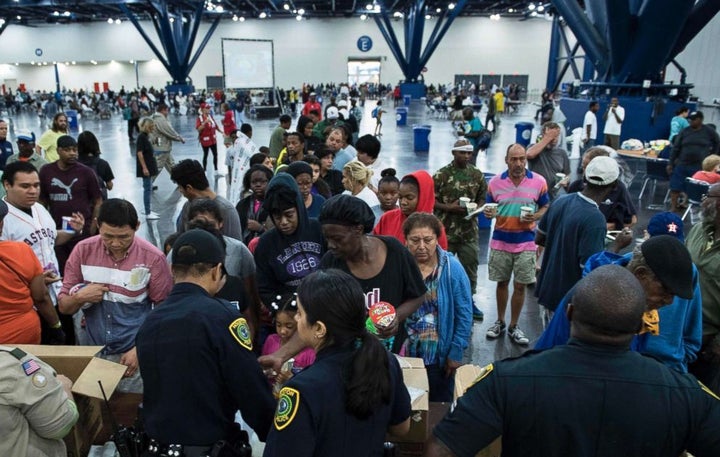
x=374 y=113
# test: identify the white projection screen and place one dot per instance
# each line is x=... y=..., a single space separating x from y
x=248 y=64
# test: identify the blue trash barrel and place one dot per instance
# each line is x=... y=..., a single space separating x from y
x=407 y=99
x=72 y=117
x=421 y=138
x=523 y=132
x=484 y=222
x=401 y=116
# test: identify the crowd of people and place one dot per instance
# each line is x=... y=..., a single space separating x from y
x=260 y=301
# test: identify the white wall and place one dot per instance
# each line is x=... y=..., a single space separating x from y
x=700 y=59
x=315 y=50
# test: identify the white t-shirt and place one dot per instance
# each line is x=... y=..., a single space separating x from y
x=37 y=231
x=591 y=120
x=612 y=126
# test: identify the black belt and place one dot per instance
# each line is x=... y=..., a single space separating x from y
x=178 y=450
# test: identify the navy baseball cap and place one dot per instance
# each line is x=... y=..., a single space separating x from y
x=666 y=223
x=197 y=246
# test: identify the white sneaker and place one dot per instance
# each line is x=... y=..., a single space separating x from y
x=152 y=216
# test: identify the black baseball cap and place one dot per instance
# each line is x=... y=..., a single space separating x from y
x=205 y=248
x=670 y=261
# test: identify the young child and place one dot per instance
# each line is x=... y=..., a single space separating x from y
x=377 y=114
x=252 y=216
x=319 y=187
x=283 y=313
x=388 y=189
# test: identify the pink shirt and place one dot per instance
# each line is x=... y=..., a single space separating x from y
x=304 y=359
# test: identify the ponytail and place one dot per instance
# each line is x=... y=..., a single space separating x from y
x=368 y=384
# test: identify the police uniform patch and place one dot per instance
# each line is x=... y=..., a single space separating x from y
x=288 y=402
x=30 y=367
x=241 y=332
x=39 y=380
x=484 y=371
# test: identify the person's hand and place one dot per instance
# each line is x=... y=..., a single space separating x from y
x=389 y=330
x=77 y=222
x=92 y=293
x=551 y=134
x=624 y=238
x=50 y=276
x=254 y=226
x=130 y=360
x=669 y=169
x=527 y=218
x=56 y=336
x=271 y=362
x=146 y=172
x=450 y=367
x=455 y=207
x=490 y=212
x=585 y=140
x=283 y=377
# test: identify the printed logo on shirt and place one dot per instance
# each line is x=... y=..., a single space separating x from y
x=287 y=407
x=302 y=265
x=67 y=196
x=241 y=332
x=372 y=297
x=39 y=235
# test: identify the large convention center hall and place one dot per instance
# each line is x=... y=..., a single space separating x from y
x=400 y=227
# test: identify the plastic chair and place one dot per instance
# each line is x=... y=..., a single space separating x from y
x=655 y=170
x=695 y=191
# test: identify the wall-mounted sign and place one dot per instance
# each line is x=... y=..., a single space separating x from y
x=364 y=43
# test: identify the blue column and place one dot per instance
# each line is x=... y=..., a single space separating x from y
x=554 y=55
x=414 y=58
x=177 y=37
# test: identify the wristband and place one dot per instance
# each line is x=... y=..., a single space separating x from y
x=57 y=325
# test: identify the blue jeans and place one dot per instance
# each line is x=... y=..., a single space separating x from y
x=147 y=192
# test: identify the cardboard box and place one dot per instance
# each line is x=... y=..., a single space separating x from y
x=416 y=381
x=85 y=370
x=465 y=377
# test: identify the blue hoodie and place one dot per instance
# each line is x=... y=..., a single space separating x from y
x=283 y=260
x=680 y=335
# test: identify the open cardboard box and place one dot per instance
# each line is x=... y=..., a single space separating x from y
x=85 y=370
x=465 y=377
x=416 y=381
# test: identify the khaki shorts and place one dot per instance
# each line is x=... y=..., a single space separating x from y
x=502 y=266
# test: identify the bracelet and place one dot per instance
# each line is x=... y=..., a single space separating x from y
x=57 y=325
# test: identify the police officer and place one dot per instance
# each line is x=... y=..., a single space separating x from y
x=196 y=359
x=36 y=406
x=345 y=403
x=590 y=397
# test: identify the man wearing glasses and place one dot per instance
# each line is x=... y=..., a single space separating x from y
x=116 y=278
x=703 y=242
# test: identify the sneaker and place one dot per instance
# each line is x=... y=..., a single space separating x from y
x=518 y=336
x=152 y=216
x=477 y=314
x=496 y=329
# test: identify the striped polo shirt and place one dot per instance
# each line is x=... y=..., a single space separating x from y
x=136 y=282
x=511 y=235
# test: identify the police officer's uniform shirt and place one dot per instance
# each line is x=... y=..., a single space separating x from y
x=35 y=411
x=198 y=369
x=311 y=419
x=584 y=400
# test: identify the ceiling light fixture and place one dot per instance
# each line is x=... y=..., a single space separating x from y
x=363 y=17
x=451 y=6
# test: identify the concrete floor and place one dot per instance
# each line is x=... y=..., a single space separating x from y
x=397 y=152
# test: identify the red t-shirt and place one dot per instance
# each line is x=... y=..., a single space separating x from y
x=19 y=322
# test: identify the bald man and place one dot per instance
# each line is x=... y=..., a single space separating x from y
x=591 y=397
